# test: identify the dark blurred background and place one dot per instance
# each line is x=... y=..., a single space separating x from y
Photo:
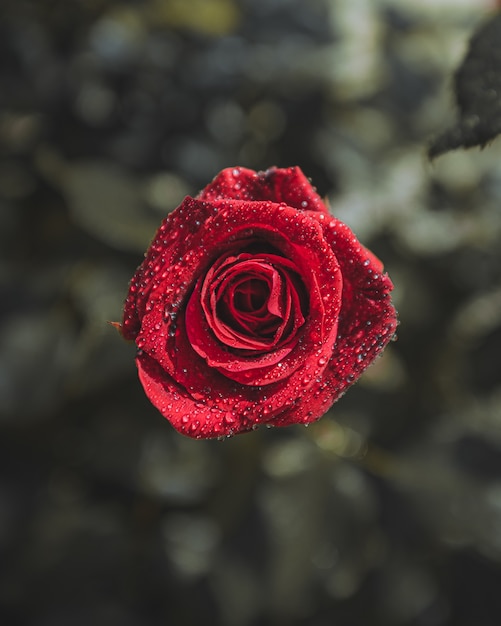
x=387 y=512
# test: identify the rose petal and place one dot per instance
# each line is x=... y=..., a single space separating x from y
x=288 y=185
x=171 y=241
x=189 y=416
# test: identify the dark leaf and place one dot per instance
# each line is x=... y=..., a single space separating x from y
x=477 y=85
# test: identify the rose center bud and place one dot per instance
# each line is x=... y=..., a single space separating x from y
x=251 y=296
x=253 y=305
x=253 y=302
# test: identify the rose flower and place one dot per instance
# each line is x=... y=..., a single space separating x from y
x=253 y=306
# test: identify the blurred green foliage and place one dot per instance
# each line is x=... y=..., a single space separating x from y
x=387 y=511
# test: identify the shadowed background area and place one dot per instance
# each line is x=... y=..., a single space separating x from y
x=387 y=512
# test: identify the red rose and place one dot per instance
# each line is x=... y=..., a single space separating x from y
x=254 y=306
